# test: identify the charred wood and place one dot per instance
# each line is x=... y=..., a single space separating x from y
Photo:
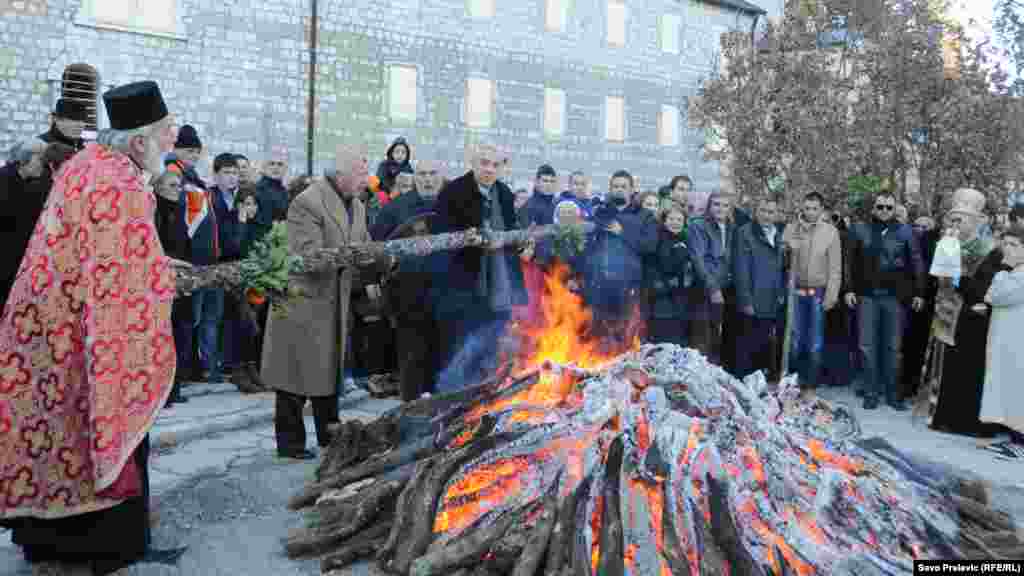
x=610 y=561
x=379 y=499
x=363 y=545
x=533 y=553
x=465 y=551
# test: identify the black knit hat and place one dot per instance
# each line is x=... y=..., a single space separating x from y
x=134 y=105
x=188 y=138
x=71 y=110
x=546 y=170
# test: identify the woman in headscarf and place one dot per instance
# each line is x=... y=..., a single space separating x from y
x=955 y=361
x=1003 y=399
x=397 y=159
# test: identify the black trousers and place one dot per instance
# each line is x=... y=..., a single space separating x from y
x=416 y=343
x=732 y=329
x=289 y=426
x=755 y=350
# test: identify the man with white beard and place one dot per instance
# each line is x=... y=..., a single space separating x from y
x=87 y=356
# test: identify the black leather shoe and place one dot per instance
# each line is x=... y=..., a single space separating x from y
x=858 y=392
x=298 y=455
x=870 y=403
x=899 y=406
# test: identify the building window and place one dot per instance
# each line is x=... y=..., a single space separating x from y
x=668 y=126
x=480 y=8
x=159 y=16
x=556 y=15
x=479 y=103
x=668 y=32
x=616 y=22
x=80 y=82
x=402 y=93
x=554 y=112
x=614 y=119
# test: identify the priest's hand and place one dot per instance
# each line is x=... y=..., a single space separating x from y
x=175 y=263
x=917 y=303
x=373 y=291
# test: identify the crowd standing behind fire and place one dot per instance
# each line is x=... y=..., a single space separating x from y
x=691 y=265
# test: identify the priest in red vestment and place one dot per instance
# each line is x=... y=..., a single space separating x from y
x=86 y=352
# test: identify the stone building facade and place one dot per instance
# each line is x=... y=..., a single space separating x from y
x=595 y=85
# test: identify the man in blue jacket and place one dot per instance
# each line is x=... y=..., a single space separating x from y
x=760 y=286
x=613 y=270
x=539 y=210
x=711 y=239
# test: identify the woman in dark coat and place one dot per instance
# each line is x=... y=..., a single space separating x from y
x=670 y=279
x=169 y=220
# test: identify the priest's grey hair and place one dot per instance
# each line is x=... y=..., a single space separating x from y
x=23 y=151
x=121 y=140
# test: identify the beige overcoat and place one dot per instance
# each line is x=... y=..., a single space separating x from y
x=304 y=348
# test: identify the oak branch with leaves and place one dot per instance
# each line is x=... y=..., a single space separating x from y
x=270 y=265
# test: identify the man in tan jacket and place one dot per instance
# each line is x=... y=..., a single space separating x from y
x=304 y=349
x=817 y=261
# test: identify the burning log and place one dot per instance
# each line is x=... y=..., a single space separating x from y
x=651 y=461
x=229 y=275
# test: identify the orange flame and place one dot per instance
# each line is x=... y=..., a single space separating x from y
x=563 y=333
x=844 y=463
x=486 y=486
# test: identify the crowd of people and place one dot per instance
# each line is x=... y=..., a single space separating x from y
x=93 y=340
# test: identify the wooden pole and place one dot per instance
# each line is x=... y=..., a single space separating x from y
x=229 y=275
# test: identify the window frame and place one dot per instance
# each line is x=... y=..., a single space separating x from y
x=677 y=131
x=564 y=7
x=403 y=118
x=608 y=137
x=472 y=9
x=621 y=4
x=662 y=26
x=87 y=17
x=468 y=109
x=549 y=97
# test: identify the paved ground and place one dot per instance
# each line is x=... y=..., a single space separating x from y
x=223 y=496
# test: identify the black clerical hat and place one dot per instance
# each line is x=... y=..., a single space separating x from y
x=134 y=105
x=71 y=110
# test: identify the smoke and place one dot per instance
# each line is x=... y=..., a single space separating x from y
x=476 y=360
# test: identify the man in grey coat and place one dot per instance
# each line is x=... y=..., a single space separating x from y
x=304 y=350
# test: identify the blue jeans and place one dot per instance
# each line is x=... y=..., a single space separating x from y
x=207 y=313
x=808 y=333
x=881 y=320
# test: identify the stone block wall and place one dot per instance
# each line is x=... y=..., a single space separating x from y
x=238 y=71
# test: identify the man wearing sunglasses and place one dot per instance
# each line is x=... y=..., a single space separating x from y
x=885 y=273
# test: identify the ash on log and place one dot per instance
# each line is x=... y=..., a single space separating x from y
x=612 y=477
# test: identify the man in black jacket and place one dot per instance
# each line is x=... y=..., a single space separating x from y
x=475 y=289
x=67 y=123
x=886 y=272
x=271 y=193
x=19 y=209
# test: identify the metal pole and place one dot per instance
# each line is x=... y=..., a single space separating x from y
x=314 y=25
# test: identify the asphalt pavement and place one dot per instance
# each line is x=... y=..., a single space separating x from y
x=222 y=491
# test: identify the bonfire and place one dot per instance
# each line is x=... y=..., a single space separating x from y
x=577 y=458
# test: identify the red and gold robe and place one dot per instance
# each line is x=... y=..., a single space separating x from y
x=86 y=347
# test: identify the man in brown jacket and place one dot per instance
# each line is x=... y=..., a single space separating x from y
x=816 y=255
x=304 y=351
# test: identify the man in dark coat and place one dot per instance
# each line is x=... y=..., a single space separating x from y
x=407 y=292
x=19 y=209
x=66 y=124
x=760 y=287
x=401 y=209
x=475 y=289
x=539 y=210
x=271 y=191
x=886 y=273
x=613 y=262
x=711 y=238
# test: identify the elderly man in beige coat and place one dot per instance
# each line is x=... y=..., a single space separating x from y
x=304 y=352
